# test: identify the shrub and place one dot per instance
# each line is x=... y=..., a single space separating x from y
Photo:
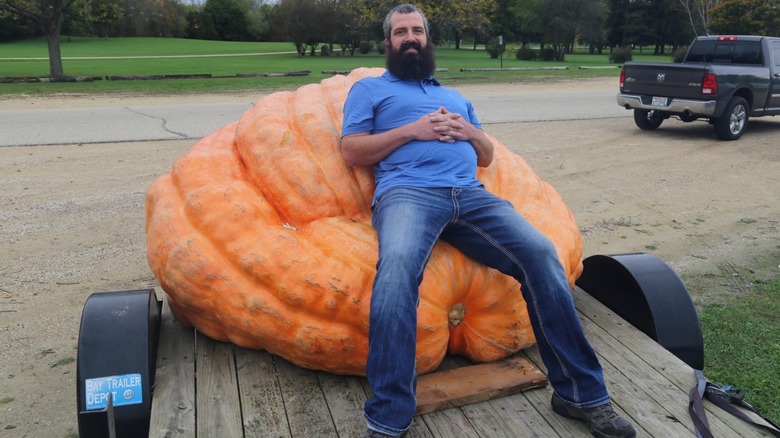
x=325 y=50
x=620 y=55
x=548 y=54
x=365 y=47
x=526 y=54
x=493 y=49
x=380 y=47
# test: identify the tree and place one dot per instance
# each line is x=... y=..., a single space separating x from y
x=258 y=26
x=668 y=24
x=746 y=17
x=617 y=23
x=699 y=14
x=15 y=27
x=48 y=16
x=347 y=32
x=230 y=18
x=557 y=23
x=472 y=16
x=104 y=14
x=592 y=30
x=307 y=23
x=646 y=22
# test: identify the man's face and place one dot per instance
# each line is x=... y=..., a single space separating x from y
x=409 y=55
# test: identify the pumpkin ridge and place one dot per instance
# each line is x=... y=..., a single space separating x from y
x=217 y=245
x=269 y=305
x=335 y=90
x=488 y=340
x=315 y=231
x=264 y=172
x=237 y=257
x=334 y=97
x=304 y=98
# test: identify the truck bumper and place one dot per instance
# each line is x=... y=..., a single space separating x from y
x=701 y=108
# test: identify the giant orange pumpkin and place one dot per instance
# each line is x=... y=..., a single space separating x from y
x=260 y=235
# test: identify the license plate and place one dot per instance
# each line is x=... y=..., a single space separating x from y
x=659 y=101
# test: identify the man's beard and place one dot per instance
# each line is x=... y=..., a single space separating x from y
x=411 y=66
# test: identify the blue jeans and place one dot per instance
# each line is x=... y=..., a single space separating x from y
x=488 y=229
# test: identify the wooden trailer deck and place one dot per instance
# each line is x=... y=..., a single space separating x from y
x=209 y=389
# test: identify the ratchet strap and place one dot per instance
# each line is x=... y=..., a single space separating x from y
x=726 y=398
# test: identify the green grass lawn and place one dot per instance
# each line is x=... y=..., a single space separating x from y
x=742 y=346
x=97 y=57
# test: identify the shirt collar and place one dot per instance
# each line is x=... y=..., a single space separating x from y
x=393 y=78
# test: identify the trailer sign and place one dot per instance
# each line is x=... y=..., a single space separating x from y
x=125 y=390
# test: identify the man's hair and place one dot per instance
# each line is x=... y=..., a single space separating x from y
x=405 y=8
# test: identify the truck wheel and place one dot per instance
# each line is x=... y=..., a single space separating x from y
x=731 y=125
x=648 y=119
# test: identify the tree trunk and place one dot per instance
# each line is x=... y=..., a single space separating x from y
x=52 y=30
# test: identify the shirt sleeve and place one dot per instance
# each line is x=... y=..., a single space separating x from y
x=473 y=116
x=358 y=111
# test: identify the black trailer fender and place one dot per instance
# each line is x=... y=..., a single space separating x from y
x=646 y=292
x=117 y=350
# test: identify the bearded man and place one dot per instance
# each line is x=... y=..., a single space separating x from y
x=425 y=143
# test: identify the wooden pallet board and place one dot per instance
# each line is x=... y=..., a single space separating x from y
x=461 y=386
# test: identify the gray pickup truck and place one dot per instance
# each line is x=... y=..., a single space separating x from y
x=723 y=79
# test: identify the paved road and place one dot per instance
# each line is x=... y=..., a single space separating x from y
x=192 y=121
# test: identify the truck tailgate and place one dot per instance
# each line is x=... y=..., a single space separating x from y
x=655 y=79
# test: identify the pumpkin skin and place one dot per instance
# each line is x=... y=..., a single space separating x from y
x=261 y=235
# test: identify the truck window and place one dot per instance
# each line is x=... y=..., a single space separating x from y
x=747 y=53
x=776 y=51
x=701 y=51
x=726 y=52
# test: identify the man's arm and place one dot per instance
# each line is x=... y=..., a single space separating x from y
x=364 y=148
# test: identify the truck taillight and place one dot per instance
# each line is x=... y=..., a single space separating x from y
x=622 y=77
x=710 y=84
x=727 y=38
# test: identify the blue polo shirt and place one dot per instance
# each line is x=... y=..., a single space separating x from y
x=379 y=104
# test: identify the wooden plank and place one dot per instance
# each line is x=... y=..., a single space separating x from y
x=482 y=417
x=449 y=423
x=652 y=401
x=618 y=391
x=527 y=419
x=262 y=403
x=218 y=405
x=345 y=398
x=525 y=414
x=419 y=429
x=539 y=399
x=304 y=402
x=173 y=401
x=488 y=422
x=677 y=373
x=476 y=383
